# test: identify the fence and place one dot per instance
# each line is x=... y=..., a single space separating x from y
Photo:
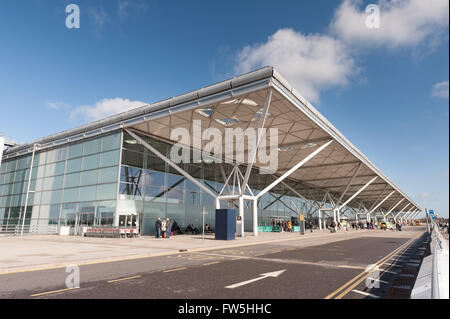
x=433 y=278
x=16 y=230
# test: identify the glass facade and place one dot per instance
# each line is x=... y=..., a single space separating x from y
x=74 y=178
x=103 y=179
x=150 y=188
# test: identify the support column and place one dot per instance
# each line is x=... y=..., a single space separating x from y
x=241 y=213
x=337 y=213
x=255 y=217
x=395 y=217
x=359 y=191
x=385 y=215
x=403 y=216
x=293 y=169
x=320 y=219
x=217 y=203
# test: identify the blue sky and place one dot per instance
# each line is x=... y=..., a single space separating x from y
x=385 y=89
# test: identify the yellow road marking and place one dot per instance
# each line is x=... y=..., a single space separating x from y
x=359 y=278
x=121 y=279
x=379 y=263
x=211 y=263
x=54 y=291
x=367 y=275
x=176 y=269
x=276 y=251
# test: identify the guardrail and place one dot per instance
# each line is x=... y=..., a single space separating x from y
x=16 y=230
x=433 y=279
x=440 y=265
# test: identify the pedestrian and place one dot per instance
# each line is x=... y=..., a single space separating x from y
x=163 y=228
x=332 y=227
x=310 y=226
x=158 y=227
x=168 y=228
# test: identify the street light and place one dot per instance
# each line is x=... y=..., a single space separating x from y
x=35 y=146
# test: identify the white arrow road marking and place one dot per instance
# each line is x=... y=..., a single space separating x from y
x=273 y=274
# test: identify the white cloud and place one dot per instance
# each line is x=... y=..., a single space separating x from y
x=311 y=63
x=55 y=105
x=440 y=90
x=402 y=23
x=104 y=108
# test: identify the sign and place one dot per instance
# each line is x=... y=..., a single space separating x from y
x=431 y=212
x=301 y=217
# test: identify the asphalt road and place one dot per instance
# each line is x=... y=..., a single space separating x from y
x=332 y=270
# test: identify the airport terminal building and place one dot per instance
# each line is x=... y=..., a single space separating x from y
x=117 y=172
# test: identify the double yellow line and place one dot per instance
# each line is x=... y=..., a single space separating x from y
x=351 y=284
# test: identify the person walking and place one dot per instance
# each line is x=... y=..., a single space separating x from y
x=168 y=228
x=310 y=226
x=163 y=228
x=158 y=227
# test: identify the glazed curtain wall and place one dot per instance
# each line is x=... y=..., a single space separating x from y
x=152 y=189
x=79 y=177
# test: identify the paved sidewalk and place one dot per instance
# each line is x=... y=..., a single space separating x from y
x=41 y=252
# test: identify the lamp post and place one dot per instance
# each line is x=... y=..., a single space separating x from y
x=35 y=146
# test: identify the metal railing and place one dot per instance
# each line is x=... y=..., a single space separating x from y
x=439 y=274
x=16 y=230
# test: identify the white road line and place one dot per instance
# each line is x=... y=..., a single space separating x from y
x=366 y=294
x=350 y=267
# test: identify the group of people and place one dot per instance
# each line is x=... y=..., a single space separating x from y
x=192 y=229
x=163 y=228
x=284 y=226
x=334 y=226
